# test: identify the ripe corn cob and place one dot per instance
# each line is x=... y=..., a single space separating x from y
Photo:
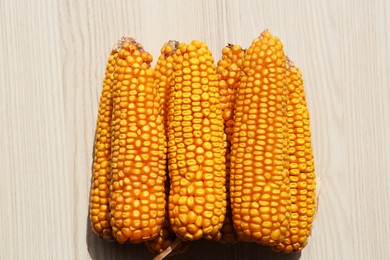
x=99 y=202
x=230 y=71
x=260 y=194
x=137 y=198
x=164 y=70
x=302 y=175
x=197 y=200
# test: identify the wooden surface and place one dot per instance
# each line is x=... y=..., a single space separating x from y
x=53 y=59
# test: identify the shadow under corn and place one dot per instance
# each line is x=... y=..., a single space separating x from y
x=205 y=249
x=100 y=249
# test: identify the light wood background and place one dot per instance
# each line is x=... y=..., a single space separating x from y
x=53 y=59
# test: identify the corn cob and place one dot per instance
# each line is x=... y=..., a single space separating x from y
x=302 y=175
x=229 y=68
x=99 y=202
x=164 y=70
x=197 y=200
x=137 y=199
x=260 y=194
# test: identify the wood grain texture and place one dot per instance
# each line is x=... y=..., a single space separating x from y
x=53 y=60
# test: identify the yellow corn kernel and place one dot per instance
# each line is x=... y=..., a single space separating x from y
x=230 y=71
x=137 y=198
x=196 y=159
x=303 y=197
x=259 y=180
x=99 y=206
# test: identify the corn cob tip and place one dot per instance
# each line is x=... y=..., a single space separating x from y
x=266 y=30
x=170 y=48
x=289 y=62
x=130 y=40
x=231 y=46
x=265 y=34
x=129 y=45
x=119 y=43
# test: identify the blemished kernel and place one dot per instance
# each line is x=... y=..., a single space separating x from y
x=259 y=146
x=195 y=146
x=101 y=176
x=301 y=178
x=230 y=72
x=138 y=174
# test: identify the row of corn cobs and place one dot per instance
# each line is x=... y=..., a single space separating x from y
x=192 y=150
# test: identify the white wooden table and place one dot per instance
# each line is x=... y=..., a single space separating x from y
x=53 y=59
